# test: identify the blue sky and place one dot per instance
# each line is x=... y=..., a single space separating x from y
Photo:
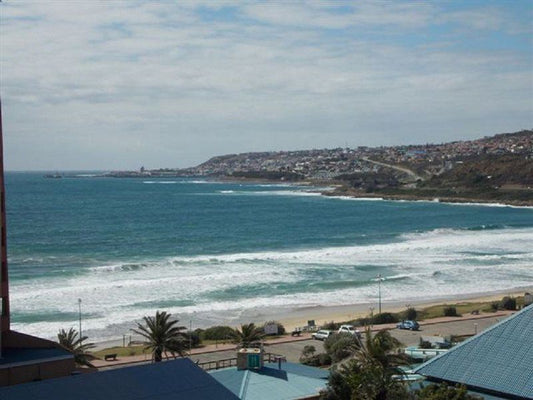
x=117 y=85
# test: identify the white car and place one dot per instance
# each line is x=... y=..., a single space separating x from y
x=321 y=335
x=349 y=329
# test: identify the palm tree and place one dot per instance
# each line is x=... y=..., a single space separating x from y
x=248 y=335
x=162 y=336
x=71 y=342
x=371 y=373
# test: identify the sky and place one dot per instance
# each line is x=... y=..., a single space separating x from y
x=108 y=85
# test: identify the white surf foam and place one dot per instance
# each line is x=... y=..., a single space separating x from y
x=442 y=262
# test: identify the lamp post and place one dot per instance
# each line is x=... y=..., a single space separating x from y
x=79 y=313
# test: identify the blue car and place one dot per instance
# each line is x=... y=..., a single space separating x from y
x=408 y=324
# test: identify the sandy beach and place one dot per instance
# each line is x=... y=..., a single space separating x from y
x=321 y=315
x=294 y=318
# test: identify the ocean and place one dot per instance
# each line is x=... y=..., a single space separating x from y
x=216 y=252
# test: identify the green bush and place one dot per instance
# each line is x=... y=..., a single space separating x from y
x=444 y=392
x=495 y=306
x=217 y=333
x=309 y=357
x=317 y=360
x=341 y=345
x=193 y=337
x=324 y=359
x=363 y=321
x=331 y=326
x=450 y=312
x=508 y=303
x=410 y=314
x=385 y=318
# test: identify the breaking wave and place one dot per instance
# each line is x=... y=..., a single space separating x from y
x=420 y=265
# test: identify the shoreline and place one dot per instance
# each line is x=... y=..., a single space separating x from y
x=298 y=317
x=340 y=190
x=356 y=194
x=322 y=314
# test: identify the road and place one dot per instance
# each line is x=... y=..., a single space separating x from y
x=401 y=169
x=292 y=348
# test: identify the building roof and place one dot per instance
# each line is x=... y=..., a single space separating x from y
x=13 y=357
x=498 y=360
x=177 y=379
x=292 y=381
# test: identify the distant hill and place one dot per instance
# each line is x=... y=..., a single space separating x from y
x=491 y=168
x=492 y=171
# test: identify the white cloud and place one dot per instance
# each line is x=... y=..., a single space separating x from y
x=112 y=81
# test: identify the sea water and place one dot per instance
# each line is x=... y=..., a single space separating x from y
x=217 y=251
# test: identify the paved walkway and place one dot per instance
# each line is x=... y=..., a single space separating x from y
x=442 y=325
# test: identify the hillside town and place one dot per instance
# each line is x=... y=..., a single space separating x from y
x=412 y=162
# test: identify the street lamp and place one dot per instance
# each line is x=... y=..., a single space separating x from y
x=79 y=313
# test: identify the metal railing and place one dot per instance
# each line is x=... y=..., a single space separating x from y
x=232 y=362
x=218 y=364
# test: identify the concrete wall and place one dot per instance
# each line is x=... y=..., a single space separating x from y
x=21 y=340
x=33 y=370
x=36 y=372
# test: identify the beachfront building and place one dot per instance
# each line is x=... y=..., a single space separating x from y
x=176 y=379
x=281 y=381
x=498 y=363
x=23 y=358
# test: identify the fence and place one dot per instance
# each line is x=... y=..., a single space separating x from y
x=232 y=362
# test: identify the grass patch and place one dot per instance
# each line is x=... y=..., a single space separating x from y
x=462 y=308
x=122 y=351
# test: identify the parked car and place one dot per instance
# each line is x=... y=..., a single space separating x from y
x=321 y=334
x=349 y=329
x=408 y=324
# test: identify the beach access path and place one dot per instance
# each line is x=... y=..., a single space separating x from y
x=291 y=347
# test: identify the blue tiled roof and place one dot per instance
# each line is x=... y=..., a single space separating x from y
x=292 y=381
x=177 y=379
x=499 y=359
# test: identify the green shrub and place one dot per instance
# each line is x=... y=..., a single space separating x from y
x=495 y=306
x=341 y=345
x=312 y=361
x=217 y=333
x=508 y=303
x=331 y=326
x=309 y=357
x=308 y=351
x=193 y=337
x=450 y=312
x=444 y=392
x=324 y=359
x=317 y=360
x=363 y=321
x=385 y=318
x=410 y=314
